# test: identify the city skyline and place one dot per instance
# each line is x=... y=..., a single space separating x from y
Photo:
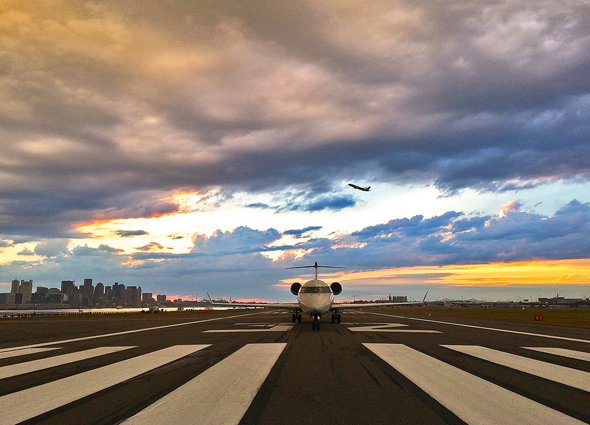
x=199 y=147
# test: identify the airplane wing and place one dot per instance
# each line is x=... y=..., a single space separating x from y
x=289 y=306
x=370 y=305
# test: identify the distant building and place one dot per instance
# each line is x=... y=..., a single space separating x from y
x=55 y=298
x=11 y=298
x=99 y=298
x=26 y=288
x=118 y=292
x=108 y=293
x=398 y=298
x=87 y=292
x=131 y=296
x=40 y=295
x=161 y=298
x=147 y=297
x=68 y=287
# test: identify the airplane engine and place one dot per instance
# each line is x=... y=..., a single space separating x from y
x=295 y=288
x=336 y=288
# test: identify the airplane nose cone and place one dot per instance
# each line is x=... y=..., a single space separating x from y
x=315 y=303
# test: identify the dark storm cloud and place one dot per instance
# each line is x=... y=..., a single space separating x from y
x=109 y=107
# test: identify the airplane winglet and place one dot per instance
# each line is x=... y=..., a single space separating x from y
x=424 y=299
x=209 y=296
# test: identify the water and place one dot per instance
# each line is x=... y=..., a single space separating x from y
x=70 y=311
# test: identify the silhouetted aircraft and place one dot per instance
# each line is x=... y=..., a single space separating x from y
x=315 y=297
x=364 y=189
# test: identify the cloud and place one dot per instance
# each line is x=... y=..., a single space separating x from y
x=240 y=240
x=153 y=99
x=301 y=232
x=259 y=205
x=232 y=262
x=152 y=246
x=6 y=243
x=52 y=248
x=129 y=233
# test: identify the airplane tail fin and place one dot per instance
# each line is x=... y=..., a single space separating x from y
x=424 y=299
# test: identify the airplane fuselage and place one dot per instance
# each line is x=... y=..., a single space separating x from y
x=315 y=297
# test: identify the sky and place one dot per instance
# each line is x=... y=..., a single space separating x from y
x=204 y=146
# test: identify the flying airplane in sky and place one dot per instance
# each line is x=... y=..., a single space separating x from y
x=315 y=297
x=364 y=189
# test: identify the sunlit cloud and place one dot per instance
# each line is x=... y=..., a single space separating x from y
x=549 y=272
x=201 y=139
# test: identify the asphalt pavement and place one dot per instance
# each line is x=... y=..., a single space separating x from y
x=256 y=367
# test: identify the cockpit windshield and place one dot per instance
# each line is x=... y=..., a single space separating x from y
x=315 y=290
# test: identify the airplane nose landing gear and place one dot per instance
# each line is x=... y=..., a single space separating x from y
x=315 y=325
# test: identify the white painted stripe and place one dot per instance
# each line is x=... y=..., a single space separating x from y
x=564 y=352
x=401 y=331
x=462 y=393
x=220 y=395
x=27 y=404
x=387 y=327
x=65 y=341
x=564 y=375
x=278 y=328
x=34 y=365
x=563 y=338
x=26 y=351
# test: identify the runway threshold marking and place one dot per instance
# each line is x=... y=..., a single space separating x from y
x=26 y=404
x=564 y=352
x=220 y=395
x=462 y=393
x=561 y=374
x=387 y=327
x=35 y=365
x=85 y=338
x=563 y=338
x=24 y=352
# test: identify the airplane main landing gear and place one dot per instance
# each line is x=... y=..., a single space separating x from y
x=315 y=325
x=336 y=317
x=296 y=317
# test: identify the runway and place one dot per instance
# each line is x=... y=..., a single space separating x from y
x=256 y=367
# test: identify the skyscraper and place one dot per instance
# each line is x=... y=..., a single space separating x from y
x=67 y=286
x=26 y=288
x=118 y=292
x=99 y=293
x=87 y=292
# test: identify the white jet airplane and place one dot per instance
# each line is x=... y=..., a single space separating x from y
x=315 y=297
